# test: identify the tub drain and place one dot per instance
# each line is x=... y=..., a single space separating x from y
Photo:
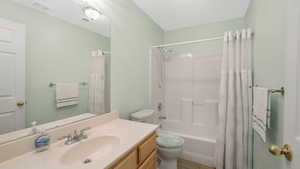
x=86 y=161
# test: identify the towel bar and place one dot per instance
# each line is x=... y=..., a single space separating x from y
x=281 y=90
x=81 y=83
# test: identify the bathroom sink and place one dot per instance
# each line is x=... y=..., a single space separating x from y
x=88 y=150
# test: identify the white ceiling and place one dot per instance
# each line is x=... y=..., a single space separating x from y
x=175 y=14
x=70 y=11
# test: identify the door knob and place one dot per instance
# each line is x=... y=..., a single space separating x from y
x=20 y=103
x=286 y=150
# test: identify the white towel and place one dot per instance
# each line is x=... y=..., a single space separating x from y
x=261 y=111
x=67 y=94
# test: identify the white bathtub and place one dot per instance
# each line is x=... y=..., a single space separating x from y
x=197 y=149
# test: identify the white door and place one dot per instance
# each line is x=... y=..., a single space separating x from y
x=12 y=76
x=292 y=104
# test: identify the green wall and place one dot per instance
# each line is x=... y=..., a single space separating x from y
x=133 y=33
x=55 y=52
x=266 y=17
x=203 y=31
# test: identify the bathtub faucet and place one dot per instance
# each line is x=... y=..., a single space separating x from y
x=162 y=117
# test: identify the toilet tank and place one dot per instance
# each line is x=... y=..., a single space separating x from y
x=144 y=116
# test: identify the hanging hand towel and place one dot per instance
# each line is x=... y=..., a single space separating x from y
x=261 y=111
x=67 y=94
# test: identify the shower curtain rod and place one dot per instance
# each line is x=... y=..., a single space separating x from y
x=188 y=42
x=191 y=42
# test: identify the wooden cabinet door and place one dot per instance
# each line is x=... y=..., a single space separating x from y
x=150 y=163
x=129 y=162
x=146 y=148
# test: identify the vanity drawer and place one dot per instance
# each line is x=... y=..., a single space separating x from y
x=150 y=163
x=146 y=148
x=129 y=162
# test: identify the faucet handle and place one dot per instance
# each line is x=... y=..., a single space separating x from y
x=85 y=129
x=162 y=117
x=75 y=133
x=68 y=137
x=65 y=137
x=82 y=132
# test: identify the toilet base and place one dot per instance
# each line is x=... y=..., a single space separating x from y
x=168 y=164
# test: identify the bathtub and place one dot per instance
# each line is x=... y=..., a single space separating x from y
x=196 y=149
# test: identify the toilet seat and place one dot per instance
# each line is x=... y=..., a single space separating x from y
x=169 y=141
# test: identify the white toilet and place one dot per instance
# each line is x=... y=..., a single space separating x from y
x=144 y=116
x=169 y=146
x=169 y=150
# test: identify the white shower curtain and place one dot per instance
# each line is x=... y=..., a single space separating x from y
x=97 y=83
x=235 y=101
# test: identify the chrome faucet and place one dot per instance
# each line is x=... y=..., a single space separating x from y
x=75 y=137
x=162 y=118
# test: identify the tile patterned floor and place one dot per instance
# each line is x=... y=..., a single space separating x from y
x=184 y=164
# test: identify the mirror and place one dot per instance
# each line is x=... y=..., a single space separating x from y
x=54 y=64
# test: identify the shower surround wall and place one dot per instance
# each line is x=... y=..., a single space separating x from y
x=190 y=98
x=190 y=83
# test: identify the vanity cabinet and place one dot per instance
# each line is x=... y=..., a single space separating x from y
x=143 y=156
x=150 y=162
x=146 y=148
x=129 y=162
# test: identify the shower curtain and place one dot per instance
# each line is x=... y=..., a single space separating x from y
x=235 y=101
x=97 y=83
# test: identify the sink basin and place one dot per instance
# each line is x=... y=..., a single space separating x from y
x=88 y=150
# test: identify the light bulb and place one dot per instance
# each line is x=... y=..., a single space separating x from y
x=92 y=13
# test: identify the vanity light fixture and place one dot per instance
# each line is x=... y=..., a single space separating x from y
x=92 y=13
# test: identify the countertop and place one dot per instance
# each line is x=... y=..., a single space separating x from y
x=130 y=134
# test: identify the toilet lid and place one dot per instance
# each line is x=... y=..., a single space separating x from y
x=169 y=141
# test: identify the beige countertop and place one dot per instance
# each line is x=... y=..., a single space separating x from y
x=129 y=134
